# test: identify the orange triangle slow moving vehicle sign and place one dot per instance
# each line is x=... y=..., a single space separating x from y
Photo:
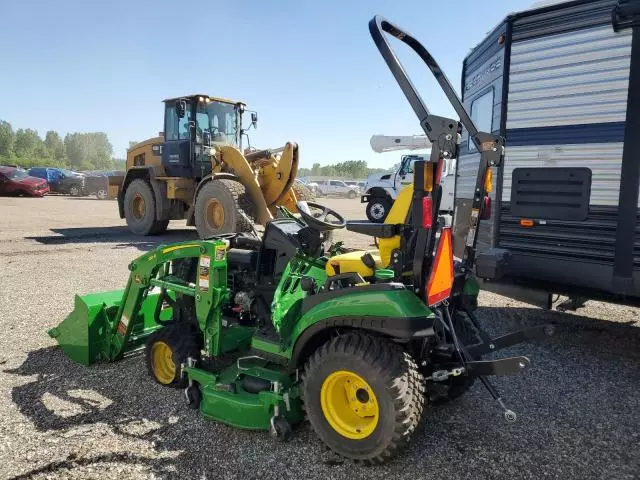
x=441 y=278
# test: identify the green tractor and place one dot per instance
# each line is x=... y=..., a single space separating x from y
x=260 y=332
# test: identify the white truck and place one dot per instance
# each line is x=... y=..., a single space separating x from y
x=337 y=188
x=381 y=189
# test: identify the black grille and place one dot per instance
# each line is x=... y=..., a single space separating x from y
x=551 y=193
x=590 y=240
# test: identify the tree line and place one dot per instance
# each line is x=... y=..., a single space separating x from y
x=77 y=151
x=351 y=169
x=93 y=151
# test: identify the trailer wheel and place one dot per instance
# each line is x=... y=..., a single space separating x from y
x=363 y=396
x=378 y=209
x=218 y=207
x=140 y=209
x=167 y=349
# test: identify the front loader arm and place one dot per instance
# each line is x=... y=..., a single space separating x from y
x=152 y=270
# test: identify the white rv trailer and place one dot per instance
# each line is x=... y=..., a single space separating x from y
x=561 y=83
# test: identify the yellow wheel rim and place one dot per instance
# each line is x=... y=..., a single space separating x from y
x=349 y=404
x=138 y=207
x=162 y=363
x=214 y=214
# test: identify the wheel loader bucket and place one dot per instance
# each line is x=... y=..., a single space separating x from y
x=85 y=333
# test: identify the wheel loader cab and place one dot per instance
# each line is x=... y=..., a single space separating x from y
x=192 y=125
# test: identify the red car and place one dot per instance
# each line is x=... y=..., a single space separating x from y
x=15 y=181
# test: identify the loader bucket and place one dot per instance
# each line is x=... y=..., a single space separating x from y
x=87 y=332
x=84 y=334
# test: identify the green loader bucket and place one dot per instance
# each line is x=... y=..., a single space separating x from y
x=86 y=334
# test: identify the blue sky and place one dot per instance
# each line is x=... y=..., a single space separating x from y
x=309 y=68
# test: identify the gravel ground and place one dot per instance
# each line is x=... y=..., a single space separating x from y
x=578 y=406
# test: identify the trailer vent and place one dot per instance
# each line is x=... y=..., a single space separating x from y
x=551 y=193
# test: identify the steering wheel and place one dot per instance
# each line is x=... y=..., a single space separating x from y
x=315 y=216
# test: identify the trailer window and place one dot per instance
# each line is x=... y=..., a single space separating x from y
x=482 y=114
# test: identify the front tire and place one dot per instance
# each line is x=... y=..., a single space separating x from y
x=378 y=209
x=167 y=349
x=351 y=194
x=217 y=209
x=101 y=194
x=75 y=190
x=363 y=396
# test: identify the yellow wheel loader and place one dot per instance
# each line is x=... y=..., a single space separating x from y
x=196 y=170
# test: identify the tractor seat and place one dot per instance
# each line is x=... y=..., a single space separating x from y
x=378 y=230
x=352 y=262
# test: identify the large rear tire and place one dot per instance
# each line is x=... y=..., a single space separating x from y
x=364 y=397
x=218 y=207
x=140 y=209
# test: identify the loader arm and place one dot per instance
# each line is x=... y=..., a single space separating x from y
x=277 y=176
x=106 y=326
x=237 y=162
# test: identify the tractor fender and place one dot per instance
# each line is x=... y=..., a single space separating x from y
x=384 y=309
x=401 y=330
x=159 y=190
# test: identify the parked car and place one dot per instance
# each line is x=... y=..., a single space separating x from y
x=357 y=185
x=16 y=181
x=61 y=180
x=97 y=182
x=337 y=188
x=313 y=186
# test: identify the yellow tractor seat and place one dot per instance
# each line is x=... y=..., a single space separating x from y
x=351 y=262
x=387 y=233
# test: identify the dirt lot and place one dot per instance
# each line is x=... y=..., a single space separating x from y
x=578 y=406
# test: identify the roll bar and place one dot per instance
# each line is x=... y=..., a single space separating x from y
x=441 y=131
x=377 y=26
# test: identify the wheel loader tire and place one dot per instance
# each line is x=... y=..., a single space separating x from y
x=140 y=209
x=378 y=209
x=218 y=207
x=303 y=193
x=167 y=349
x=159 y=226
x=455 y=387
x=364 y=397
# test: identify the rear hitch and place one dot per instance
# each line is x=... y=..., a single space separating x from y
x=483 y=368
